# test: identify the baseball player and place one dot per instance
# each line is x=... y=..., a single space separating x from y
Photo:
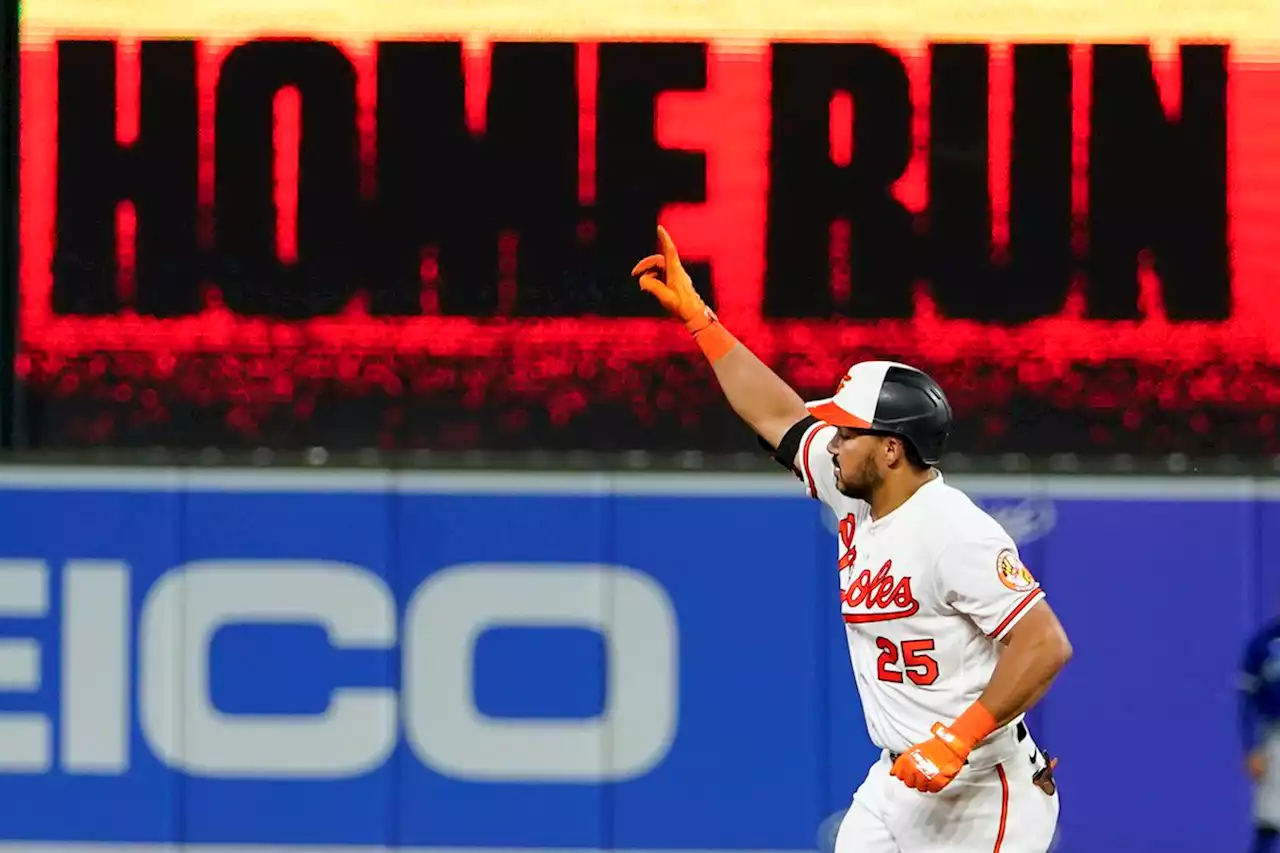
x=950 y=636
x=1260 y=728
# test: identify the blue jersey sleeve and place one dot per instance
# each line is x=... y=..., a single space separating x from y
x=1250 y=680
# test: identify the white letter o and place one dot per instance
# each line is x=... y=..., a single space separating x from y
x=452 y=608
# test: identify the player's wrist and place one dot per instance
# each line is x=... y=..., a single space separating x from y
x=970 y=728
x=712 y=337
x=699 y=318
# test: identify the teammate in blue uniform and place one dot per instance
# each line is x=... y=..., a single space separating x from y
x=1260 y=728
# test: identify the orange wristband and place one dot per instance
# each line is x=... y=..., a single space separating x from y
x=715 y=341
x=974 y=724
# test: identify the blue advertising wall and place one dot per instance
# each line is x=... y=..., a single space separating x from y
x=566 y=661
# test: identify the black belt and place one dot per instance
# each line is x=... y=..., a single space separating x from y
x=1021 y=731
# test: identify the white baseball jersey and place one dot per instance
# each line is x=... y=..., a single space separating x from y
x=926 y=593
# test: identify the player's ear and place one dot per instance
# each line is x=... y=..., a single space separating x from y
x=896 y=452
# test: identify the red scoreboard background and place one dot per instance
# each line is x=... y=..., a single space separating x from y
x=390 y=224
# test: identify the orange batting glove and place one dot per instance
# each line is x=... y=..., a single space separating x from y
x=664 y=277
x=1257 y=764
x=930 y=766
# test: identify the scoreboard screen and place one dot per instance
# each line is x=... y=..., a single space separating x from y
x=411 y=225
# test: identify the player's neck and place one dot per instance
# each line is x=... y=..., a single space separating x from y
x=893 y=492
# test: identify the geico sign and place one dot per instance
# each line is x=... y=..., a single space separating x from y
x=358 y=730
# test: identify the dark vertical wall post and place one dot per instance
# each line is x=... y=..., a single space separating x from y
x=9 y=403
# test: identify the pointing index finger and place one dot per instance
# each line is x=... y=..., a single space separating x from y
x=668 y=249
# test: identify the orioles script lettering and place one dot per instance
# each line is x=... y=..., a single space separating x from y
x=848 y=525
x=880 y=598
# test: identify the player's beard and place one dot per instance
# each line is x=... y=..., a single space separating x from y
x=860 y=482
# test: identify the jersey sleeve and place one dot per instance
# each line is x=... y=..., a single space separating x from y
x=982 y=576
x=813 y=464
x=1249 y=710
x=1251 y=664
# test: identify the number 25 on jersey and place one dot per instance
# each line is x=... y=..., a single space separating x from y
x=914 y=664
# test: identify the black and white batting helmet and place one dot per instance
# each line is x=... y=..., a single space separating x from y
x=892 y=398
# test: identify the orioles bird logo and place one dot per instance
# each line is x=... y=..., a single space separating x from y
x=1012 y=573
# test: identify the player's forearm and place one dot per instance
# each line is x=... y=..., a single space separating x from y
x=1032 y=659
x=1024 y=673
x=758 y=395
